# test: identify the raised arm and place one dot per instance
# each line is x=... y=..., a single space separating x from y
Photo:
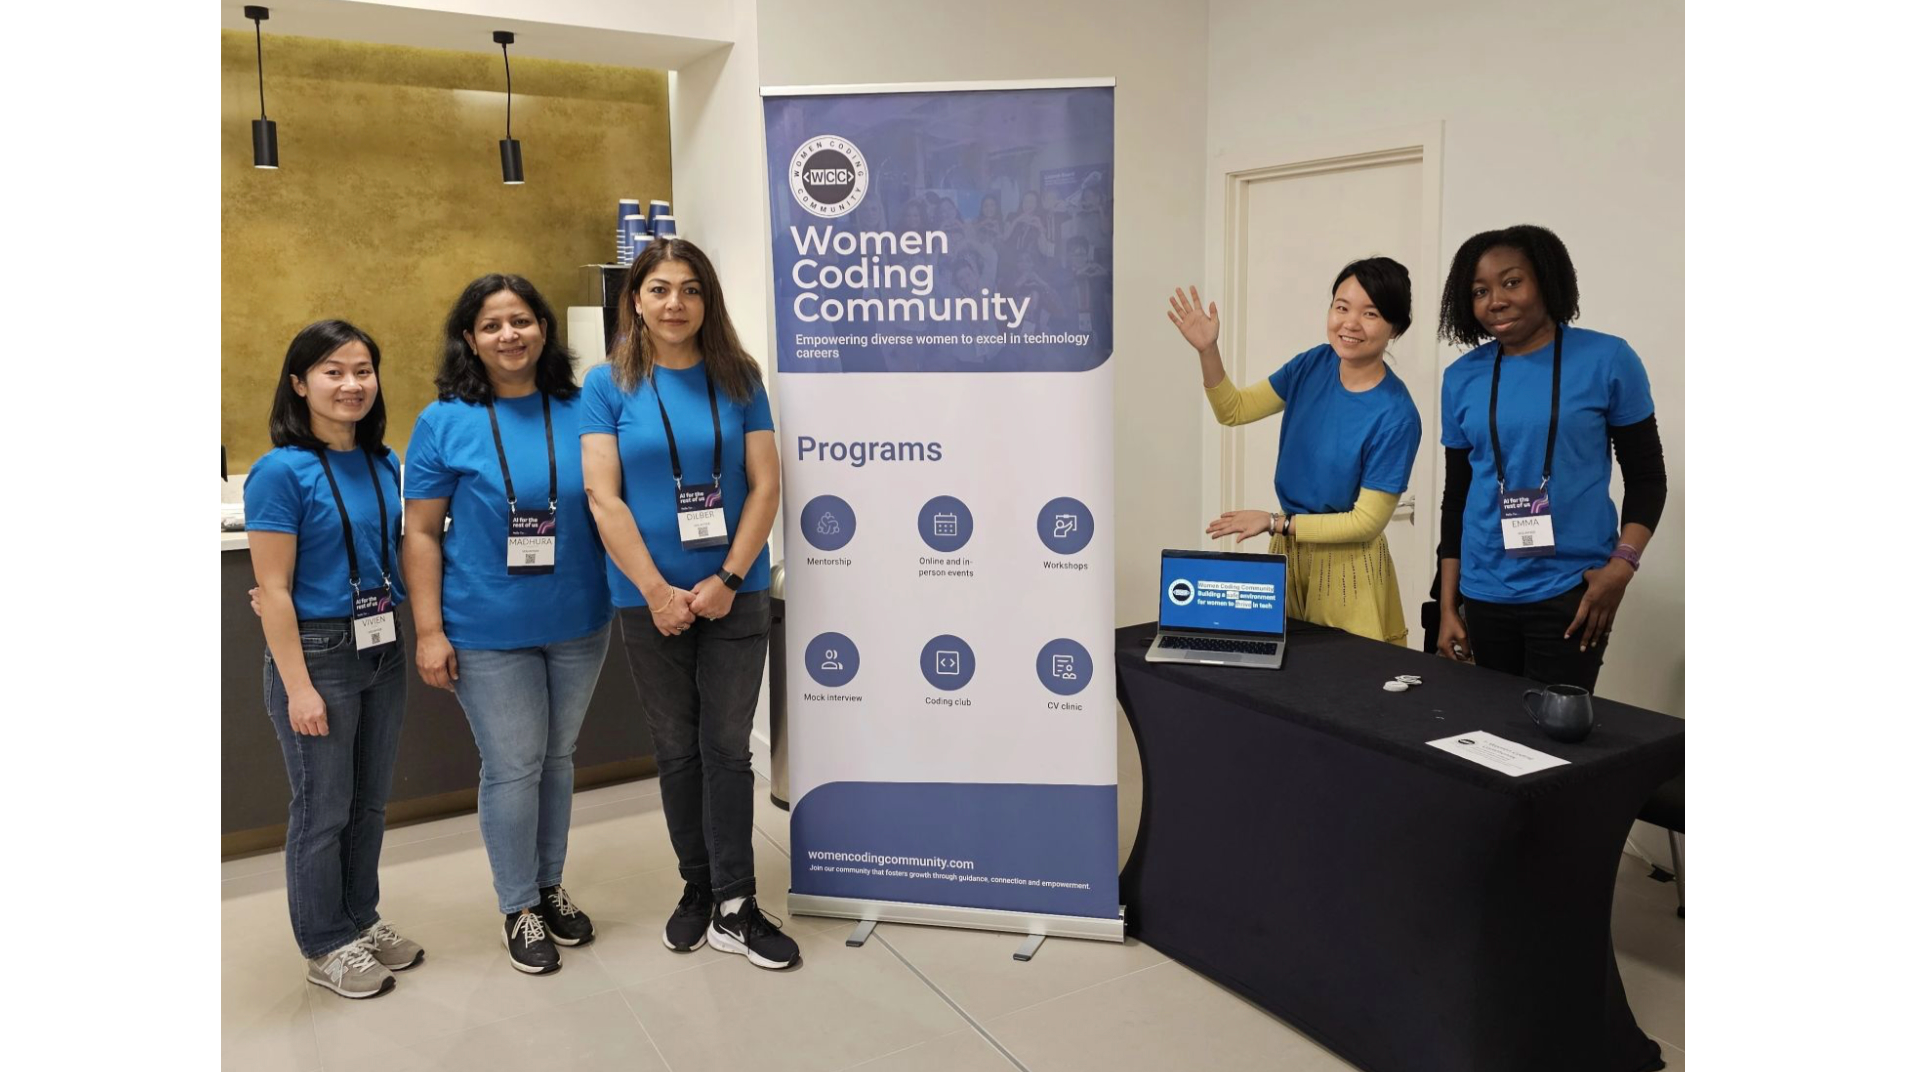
x=1199 y=326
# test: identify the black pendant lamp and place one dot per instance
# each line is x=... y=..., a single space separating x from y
x=264 y=132
x=512 y=149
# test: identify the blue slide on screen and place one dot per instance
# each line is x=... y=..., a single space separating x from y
x=1235 y=595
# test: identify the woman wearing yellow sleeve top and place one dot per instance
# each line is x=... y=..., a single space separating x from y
x=1344 y=453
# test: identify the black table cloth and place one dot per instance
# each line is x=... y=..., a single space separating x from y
x=1410 y=910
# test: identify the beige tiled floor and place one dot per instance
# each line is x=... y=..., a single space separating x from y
x=913 y=999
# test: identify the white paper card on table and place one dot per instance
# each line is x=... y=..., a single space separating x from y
x=1497 y=753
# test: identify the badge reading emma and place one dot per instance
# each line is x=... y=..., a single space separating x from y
x=1528 y=531
x=698 y=511
x=373 y=619
x=532 y=542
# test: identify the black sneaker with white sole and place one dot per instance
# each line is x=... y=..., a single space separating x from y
x=754 y=934
x=566 y=923
x=527 y=939
x=687 y=926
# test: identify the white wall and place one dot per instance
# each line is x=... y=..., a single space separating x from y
x=1570 y=117
x=720 y=178
x=705 y=18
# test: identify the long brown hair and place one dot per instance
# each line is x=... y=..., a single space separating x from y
x=731 y=367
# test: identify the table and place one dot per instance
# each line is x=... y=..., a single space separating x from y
x=1412 y=911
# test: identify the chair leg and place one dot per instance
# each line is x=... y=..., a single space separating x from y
x=1674 y=851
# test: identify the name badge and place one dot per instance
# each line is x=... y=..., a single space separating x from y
x=698 y=512
x=531 y=547
x=373 y=619
x=1528 y=530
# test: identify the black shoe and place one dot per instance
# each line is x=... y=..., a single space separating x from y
x=565 y=922
x=528 y=942
x=751 y=932
x=687 y=926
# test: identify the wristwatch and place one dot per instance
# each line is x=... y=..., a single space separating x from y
x=732 y=580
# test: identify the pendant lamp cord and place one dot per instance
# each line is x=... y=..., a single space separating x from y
x=508 y=91
x=260 y=28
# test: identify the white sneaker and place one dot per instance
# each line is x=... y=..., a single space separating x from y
x=351 y=971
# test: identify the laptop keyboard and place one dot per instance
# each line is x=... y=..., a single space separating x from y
x=1248 y=647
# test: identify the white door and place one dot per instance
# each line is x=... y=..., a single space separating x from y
x=1288 y=221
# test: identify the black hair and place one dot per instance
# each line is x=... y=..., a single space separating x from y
x=291 y=413
x=461 y=375
x=1388 y=285
x=1554 y=278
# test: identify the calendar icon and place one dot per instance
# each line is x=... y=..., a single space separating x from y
x=946 y=524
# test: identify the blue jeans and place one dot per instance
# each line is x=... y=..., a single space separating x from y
x=339 y=782
x=525 y=707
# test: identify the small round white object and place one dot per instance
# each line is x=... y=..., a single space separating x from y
x=1409 y=679
x=1395 y=686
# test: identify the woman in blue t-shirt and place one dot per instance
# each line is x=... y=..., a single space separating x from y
x=1344 y=452
x=511 y=606
x=678 y=453
x=1530 y=537
x=321 y=514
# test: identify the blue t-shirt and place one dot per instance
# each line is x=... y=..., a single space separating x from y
x=453 y=456
x=286 y=492
x=648 y=480
x=1603 y=387
x=1335 y=440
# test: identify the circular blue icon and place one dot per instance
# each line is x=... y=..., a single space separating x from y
x=1064 y=667
x=945 y=523
x=947 y=662
x=832 y=660
x=1065 y=526
x=827 y=522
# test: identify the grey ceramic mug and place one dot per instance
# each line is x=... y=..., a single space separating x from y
x=1561 y=711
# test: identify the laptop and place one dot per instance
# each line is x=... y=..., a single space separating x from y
x=1221 y=609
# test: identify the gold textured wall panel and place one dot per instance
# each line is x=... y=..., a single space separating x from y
x=389 y=198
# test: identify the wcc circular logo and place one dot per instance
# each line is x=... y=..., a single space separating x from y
x=1180 y=592
x=828 y=176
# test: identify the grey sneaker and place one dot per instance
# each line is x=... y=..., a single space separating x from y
x=351 y=971
x=391 y=949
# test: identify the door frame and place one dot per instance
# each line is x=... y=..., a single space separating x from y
x=1228 y=176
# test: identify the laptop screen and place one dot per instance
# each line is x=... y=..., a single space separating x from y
x=1210 y=591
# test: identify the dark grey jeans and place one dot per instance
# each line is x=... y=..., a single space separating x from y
x=699 y=691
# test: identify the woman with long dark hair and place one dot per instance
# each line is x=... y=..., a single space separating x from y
x=684 y=478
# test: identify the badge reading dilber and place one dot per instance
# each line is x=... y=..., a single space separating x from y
x=373 y=619
x=1528 y=531
x=532 y=542
x=698 y=512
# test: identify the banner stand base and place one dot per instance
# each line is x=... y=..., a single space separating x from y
x=976 y=919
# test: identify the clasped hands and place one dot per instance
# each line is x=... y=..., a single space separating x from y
x=675 y=609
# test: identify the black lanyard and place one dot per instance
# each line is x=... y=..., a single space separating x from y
x=675 y=458
x=549 y=434
x=1555 y=411
x=383 y=519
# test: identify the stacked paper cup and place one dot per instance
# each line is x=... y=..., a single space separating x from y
x=662 y=227
x=626 y=208
x=634 y=229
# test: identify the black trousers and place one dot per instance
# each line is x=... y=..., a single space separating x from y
x=1526 y=639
